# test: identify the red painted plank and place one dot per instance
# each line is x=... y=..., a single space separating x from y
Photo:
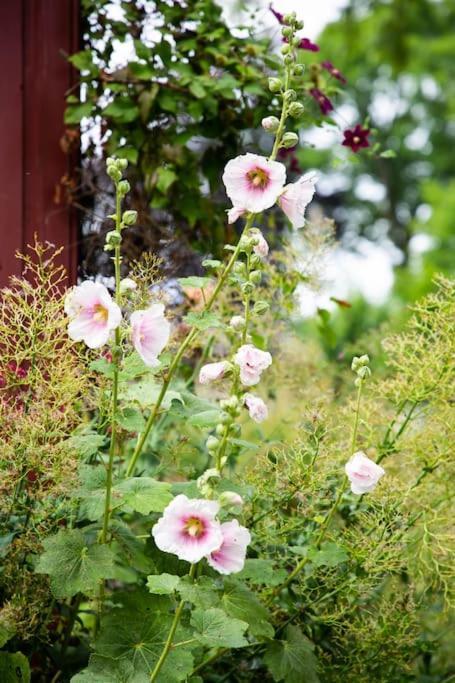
x=11 y=151
x=34 y=35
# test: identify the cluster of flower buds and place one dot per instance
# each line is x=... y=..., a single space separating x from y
x=115 y=169
x=360 y=365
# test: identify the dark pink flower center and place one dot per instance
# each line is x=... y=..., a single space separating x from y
x=258 y=178
x=194 y=527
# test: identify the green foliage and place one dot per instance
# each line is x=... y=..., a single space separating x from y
x=214 y=628
x=73 y=565
x=14 y=668
x=292 y=659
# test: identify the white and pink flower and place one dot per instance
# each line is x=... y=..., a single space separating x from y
x=256 y=407
x=189 y=528
x=150 y=333
x=252 y=362
x=211 y=372
x=229 y=558
x=295 y=198
x=362 y=473
x=234 y=213
x=253 y=183
x=261 y=247
x=92 y=312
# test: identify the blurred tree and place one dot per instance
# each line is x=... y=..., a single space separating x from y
x=397 y=57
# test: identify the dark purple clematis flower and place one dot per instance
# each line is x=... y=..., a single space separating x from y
x=307 y=44
x=325 y=104
x=355 y=138
x=278 y=16
x=333 y=71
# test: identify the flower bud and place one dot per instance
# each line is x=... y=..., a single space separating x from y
x=299 y=25
x=289 y=140
x=208 y=478
x=239 y=268
x=270 y=124
x=123 y=188
x=289 y=18
x=286 y=32
x=285 y=49
x=212 y=443
x=127 y=284
x=232 y=402
x=359 y=362
x=113 y=238
x=296 y=109
x=290 y=95
x=122 y=164
x=247 y=288
x=275 y=85
x=364 y=372
x=129 y=217
x=261 y=307
x=231 y=499
x=255 y=277
x=237 y=323
x=220 y=429
x=114 y=173
x=299 y=70
x=288 y=59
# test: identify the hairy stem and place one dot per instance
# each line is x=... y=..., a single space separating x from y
x=168 y=644
x=189 y=339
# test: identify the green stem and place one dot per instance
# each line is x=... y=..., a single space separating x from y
x=168 y=644
x=192 y=334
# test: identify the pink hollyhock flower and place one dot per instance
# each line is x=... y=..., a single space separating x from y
x=295 y=198
x=92 y=312
x=362 y=473
x=252 y=362
x=150 y=333
x=256 y=407
x=261 y=248
x=253 y=182
x=189 y=528
x=235 y=213
x=213 y=371
x=229 y=558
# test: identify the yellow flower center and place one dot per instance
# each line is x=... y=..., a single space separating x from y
x=100 y=314
x=258 y=178
x=194 y=527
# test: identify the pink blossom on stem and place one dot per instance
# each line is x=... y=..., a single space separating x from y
x=150 y=332
x=92 y=312
x=252 y=362
x=261 y=248
x=362 y=473
x=253 y=183
x=229 y=558
x=235 y=213
x=295 y=198
x=189 y=528
x=256 y=407
x=213 y=371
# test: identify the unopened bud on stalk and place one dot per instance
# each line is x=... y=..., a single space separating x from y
x=212 y=443
x=122 y=164
x=299 y=70
x=285 y=49
x=261 y=307
x=275 y=85
x=237 y=323
x=231 y=499
x=114 y=173
x=129 y=217
x=359 y=362
x=288 y=59
x=255 y=277
x=286 y=31
x=289 y=140
x=296 y=109
x=113 y=239
x=208 y=479
x=123 y=188
x=290 y=95
x=270 y=124
x=127 y=284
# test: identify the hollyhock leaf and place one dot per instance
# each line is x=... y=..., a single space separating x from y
x=135 y=633
x=133 y=366
x=388 y=154
x=239 y=602
x=102 y=366
x=145 y=494
x=105 y=670
x=292 y=660
x=86 y=445
x=203 y=320
x=202 y=592
x=131 y=420
x=194 y=281
x=211 y=263
x=122 y=110
x=73 y=566
x=7 y=631
x=166 y=177
x=214 y=628
x=208 y=418
x=145 y=391
x=163 y=584
x=130 y=551
x=329 y=555
x=92 y=492
x=14 y=667
x=74 y=113
x=262 y=572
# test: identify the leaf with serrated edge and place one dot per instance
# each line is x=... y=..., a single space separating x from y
x=215 y=628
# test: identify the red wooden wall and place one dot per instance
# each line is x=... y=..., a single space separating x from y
x=34 y=35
